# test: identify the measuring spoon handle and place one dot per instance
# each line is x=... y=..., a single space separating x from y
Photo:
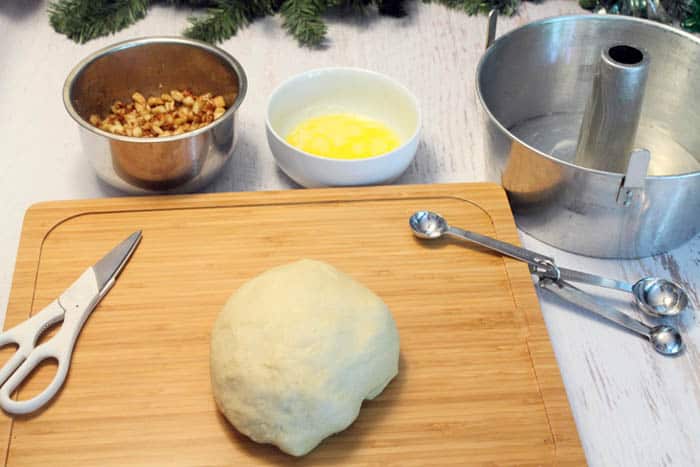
x=592 y=279
x=508 y=249
x=580 y=298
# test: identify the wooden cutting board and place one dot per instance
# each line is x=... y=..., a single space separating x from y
x=478 y=382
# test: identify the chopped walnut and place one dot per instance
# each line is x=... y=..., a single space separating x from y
x=168 y=114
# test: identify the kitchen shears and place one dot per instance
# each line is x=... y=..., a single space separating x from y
x=73 y=307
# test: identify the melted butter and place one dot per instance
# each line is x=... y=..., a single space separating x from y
x=343 y=136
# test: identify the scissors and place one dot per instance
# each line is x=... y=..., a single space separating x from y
x=73 y=307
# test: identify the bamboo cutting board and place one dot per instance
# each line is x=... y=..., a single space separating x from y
x=478 y=382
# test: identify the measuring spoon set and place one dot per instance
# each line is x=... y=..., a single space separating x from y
x=654 y=296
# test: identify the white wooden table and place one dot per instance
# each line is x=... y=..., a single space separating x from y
x=632 y=406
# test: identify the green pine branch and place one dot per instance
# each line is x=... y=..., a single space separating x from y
x=473 y=7
x=302 y=19
x=226 y=17
x=220 y=22
x=692 y=21
x=680 y=9
x=82 y=20
x=358 y=7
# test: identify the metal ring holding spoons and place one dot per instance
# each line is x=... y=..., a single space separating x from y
x=653 y=295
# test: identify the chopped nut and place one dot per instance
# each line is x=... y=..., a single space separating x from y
x=219 y=101
x=172 y=113
x=117 y=107
x=177 y=95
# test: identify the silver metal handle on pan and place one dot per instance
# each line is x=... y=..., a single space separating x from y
x=491 y=28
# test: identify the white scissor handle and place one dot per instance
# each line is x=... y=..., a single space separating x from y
x=25 y=335
x=41 y=353
x=74 y=307
x=27 y=357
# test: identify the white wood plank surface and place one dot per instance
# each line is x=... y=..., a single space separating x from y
x=632 y=406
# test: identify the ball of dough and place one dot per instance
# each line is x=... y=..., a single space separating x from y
x=296 y=350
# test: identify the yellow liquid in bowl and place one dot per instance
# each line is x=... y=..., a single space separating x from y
x=343 y=136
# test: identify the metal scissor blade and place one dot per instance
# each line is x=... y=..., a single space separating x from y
x=111 y=265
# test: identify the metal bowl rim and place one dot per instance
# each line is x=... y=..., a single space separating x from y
x=556 y=19
x=127 y=44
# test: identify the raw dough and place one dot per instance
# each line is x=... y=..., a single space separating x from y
x=296 y=350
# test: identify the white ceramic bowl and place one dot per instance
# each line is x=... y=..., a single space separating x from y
x=342 y=90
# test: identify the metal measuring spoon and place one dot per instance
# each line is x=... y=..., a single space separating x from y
x=431 y=225
x=653 y=295
x=665 y=339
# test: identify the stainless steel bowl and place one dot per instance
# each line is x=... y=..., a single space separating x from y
x=534 y=83
x=151 y=66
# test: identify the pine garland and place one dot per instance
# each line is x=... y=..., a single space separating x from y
x=83 y=20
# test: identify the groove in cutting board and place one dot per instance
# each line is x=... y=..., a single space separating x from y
x=478 y=382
